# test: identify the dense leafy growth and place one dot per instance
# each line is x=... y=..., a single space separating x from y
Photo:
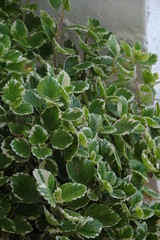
x=77 y=144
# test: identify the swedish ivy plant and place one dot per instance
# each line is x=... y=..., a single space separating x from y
x=77 y=144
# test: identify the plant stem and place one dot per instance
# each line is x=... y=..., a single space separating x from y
x=24 y=11
x=4 y=236
x=57 y=35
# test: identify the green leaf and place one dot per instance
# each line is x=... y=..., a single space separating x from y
x=137 y=45
x=136 y=199
x=156 y=208
x=4 y=161
x=51 y=118
x=104 y=174
x=107 y=147
x=36 y=39
x=80 y=86
x=2 y=48
x=12 y=56
x=85 y=47
x=65 y=51
x=125 y=126
x=64 y=79
x=151 y=193
x=22 y=67
x=5 y=207
x=147 y=213
x=4 y=29
x=127 y=49
x=71 y=151
x=61 y=238
x=65 y=95
x=50 y=165
x=77 y=166
x=72 y=191
x=151 y=122
x=79 y=203
x=68 y=226
x=148 y=77
x=118 y=194
x=61 y=139
x=95 y=122
x=7 y=225
x=103 y=214
x=38 y=135
x=139 y=212
x=152 y=236
x=24 y=187
x=23 y=109
x=139 y=168
x=128 y=188
x=89 y=227
x=19 y=32
x=108 y=130
x=22 y=226
x=72 y=114
x=147 y=163
x=21 y=147
x=13 y=93
x=46 y=184
x=50 y=218
x=92 y=195
x=3 y=180
x=113 y=45
x=66 y=5
x=55 y=3
x=48 y=24
x=41 y=152
x=71 y=215
x=82 y=139
x=126 y=232
x=32 y=98
x=122 y=106
x=30 y=211
x=70 y=62
x=125 y=93
x=83 y=66
x=97 y=106
x=49 y=87
x=5 y=40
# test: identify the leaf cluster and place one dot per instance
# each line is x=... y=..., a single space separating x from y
x=77 y=145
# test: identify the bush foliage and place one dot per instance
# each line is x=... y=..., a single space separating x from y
x=77 y=144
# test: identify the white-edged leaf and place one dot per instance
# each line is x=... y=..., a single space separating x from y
x=72 y=191
x=41 y=152
x=13 y=93
x=22 y=226
x=23 y=109
x=76 y=167
x=21 y=147
x=46 y=184
x=19 y=32
x=24 y=187
x=89 y=227
x=103 y=214
x=38 y=135
x=80 y=86
x=61 y=139
x=48 y=24
x=113 y=45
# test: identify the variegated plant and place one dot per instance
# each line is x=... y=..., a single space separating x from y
x=77 y=144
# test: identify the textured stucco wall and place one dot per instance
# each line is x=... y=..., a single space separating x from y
x=125 y=18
